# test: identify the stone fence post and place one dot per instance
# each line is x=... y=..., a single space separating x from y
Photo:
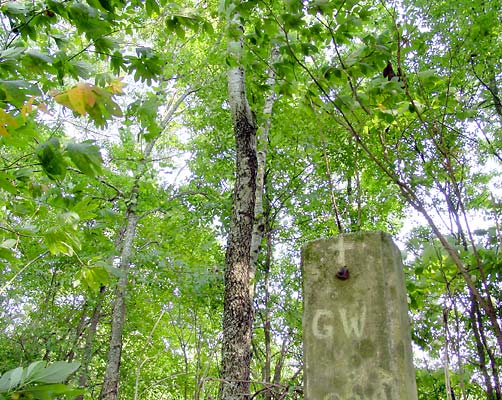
x=357 y=341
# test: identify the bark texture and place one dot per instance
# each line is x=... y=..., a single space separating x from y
x=238 y=310
x=110 y=388
x=261 y=154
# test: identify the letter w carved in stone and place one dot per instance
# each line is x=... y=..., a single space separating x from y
x=353 y=325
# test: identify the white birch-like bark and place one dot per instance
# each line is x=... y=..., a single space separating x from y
x=262 y=148
x=238 y=313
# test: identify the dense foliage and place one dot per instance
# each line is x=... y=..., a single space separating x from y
x=117 y=165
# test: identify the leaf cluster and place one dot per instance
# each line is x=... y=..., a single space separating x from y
x=38 y=381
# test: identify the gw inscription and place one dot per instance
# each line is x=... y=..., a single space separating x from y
x=357 y=343
x=323 y=326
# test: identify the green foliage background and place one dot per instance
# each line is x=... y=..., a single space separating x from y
x=85 y=86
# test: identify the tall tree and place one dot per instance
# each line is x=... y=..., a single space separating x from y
x=238 y=311
x=125 y=249
x=346 y=148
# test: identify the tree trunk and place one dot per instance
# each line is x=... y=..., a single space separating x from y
x=110 y=388
x=267 y=323
x=261 y=154
x=238 y=310
x=124 y=246
x=473 y=315
x=91 y=334
x=260 y=223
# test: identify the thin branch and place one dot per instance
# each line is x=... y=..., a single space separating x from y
x=9 y=282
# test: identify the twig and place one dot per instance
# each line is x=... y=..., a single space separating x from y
x=9 y=282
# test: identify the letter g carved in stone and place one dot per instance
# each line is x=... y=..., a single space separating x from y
x=323 y=329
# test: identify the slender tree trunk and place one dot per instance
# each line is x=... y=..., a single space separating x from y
x=238 y=310
x=110 y=388
x=267 y=324
x=124 y=244
x=262 y=148
x=473 y=314
x=79 y=331
x=260 y=223
x=460 y=358
x=91 y=334
x=446 y=365
x=496 y=392
x=238 y=306
x=280 y=362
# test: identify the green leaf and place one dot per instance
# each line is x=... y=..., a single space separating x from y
x=24 y=174
x=19 y=382
x=15 y=8
x=429 y=78
x=85 y=208
x=17 y=91
x=81 y=69
x=92 y=277
x=104 y=44
x=321 y=6
x=40 y=57
x=69 y=218
x=56 y=372
x=151 y=7
x=11 y=53
x=117 y=62
x=9 y=243
x=116 y=272
x=62 y=240
x=7 y=254
x=33 y=369
x=292 y=21
x=11 y=379
x=51 y=159
x=107 y=5
x=86 y=157
x=208 y=27
x=49 y=392
x=7 y=185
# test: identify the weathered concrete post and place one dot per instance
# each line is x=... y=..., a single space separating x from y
x=357 y=342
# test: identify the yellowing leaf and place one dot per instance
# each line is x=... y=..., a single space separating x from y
x=62 y=98
x=27 y=108
x=80 y=96
x=97 y=102
x=7 y=120
x=77 y=98
x=116 y=86
x=88 y=94
x=43 y=107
